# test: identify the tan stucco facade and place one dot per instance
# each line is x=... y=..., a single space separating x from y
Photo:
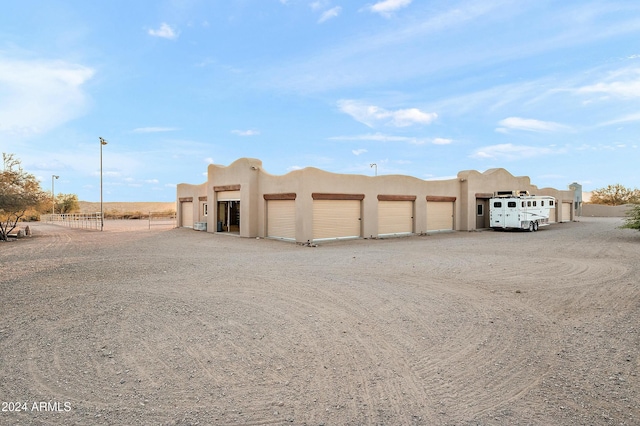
x=251 y=188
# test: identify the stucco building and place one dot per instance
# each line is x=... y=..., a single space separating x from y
x=312 y=204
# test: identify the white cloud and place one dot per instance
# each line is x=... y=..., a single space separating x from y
x=165 y=31
x=371 y=115
x=292 y=168
x=38 y=96
x=152 y=181
x=380 y=137
x=319 y=4
x=624 y=119
x=386 y=7
x=622 y=89
x=441 y=141
x=245 y=132
x=209 y=160
x=329 y=14
x=529 y=124
x=154 y=129
x=621 y=83
x=509 y=151
x=359 y=151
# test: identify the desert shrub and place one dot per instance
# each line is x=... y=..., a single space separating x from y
x=633 y=218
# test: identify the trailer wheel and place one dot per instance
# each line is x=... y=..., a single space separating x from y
x=531 y=229
x=535 y=226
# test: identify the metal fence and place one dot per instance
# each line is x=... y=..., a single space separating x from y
x=162 y=219
x=74 y=220
x=92 y=220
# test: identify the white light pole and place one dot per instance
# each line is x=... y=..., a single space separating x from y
x=102 y=142
x=53 y=195
x=376 y=167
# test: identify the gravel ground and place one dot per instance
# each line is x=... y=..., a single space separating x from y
x=173 y=326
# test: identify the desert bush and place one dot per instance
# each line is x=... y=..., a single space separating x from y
x=633 y=218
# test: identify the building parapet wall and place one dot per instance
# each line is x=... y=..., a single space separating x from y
x=246 y=181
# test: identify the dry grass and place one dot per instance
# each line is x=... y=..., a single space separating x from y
x=127 y=207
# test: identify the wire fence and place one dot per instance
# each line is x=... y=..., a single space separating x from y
x=162 y=219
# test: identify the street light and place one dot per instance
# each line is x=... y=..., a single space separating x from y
x=53 y=195
x=376 y=167
x=102 y=142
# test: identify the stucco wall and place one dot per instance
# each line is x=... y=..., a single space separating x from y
x=310 y=180
x=474 y=183
x=184 y=192
x=253 y=182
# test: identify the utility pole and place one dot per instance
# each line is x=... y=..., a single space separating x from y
x=102 y=142
x=53 y=195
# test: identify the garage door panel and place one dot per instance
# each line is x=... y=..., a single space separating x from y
x=566 y=212
x=336 y=219
x=281 y=219
x=228 y=195
x=439 y=216
x=395 y=217
x=186 y=214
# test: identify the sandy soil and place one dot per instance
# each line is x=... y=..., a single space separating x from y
x=173 y=326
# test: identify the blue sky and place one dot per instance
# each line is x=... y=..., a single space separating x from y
x=546 y=89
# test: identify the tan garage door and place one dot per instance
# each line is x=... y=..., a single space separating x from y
x=281 y=219
x=228 y=195
x=439 y=215
x=395 y=217
x=186 y=214
x=336 y=219
x=552 y=215
x=566 y=212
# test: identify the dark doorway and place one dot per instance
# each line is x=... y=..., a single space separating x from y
x=229 y=216
x=482 y=213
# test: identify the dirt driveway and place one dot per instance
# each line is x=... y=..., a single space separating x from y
x=173 y=326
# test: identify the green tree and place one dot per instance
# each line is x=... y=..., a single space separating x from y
x=633 y=218
x=615 y=195
x=67 y=203
x=19 y=192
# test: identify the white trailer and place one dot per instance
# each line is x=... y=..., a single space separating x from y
x=519 y=210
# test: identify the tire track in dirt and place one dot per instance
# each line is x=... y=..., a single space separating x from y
x=136 y=329
x=374 y=362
